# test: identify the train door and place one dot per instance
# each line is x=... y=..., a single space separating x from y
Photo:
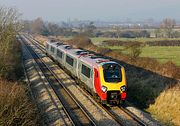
x=86 y=76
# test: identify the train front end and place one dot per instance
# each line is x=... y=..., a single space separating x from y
x=113 y=83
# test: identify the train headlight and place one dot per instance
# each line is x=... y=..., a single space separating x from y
x=104 y=89
x=123 y=88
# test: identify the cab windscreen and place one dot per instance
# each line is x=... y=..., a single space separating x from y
x=112 y=72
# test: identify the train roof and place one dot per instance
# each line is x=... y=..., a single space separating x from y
x=95 y=60
x=85 y=56
x=77 y=52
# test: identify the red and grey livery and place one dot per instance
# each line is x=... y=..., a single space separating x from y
x=101 y=76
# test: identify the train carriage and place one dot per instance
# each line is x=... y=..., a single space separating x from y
x=101 y=76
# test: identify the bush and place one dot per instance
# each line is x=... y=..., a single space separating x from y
x=134 y=50
x=11 y=65
x=80 y=41
x=15 y=107
x=164 y=43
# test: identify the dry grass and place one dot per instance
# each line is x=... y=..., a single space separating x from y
x=15 y=107
x=41 y=39
x=167 y=107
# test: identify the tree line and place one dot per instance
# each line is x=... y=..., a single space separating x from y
x=38 y=26
x=166 y=29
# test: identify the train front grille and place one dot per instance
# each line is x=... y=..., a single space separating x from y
x=113 y=95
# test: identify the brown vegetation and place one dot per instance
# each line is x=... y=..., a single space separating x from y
x=81 y=41
x=41 y=39
x=164 y=43
x=15 y=107
x=167 y=107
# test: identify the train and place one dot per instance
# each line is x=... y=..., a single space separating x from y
x=104 y=78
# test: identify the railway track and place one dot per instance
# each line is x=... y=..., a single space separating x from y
x=74 y=110
x=59 y=111
x=116 y=111
x=120 y=114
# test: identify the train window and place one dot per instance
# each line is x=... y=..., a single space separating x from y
x=86 y=71
x=69 y=60
x=59 y=54
x=52 y=49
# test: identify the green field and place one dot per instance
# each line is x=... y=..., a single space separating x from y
x=162 y=54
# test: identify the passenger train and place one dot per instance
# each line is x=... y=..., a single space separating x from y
x=102 y=77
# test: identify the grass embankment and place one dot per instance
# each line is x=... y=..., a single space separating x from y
x=15 y=105
x=147 y=81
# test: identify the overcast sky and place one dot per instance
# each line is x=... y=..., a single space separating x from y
x=111 y=10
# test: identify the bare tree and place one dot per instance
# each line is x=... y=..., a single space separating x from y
x=9 y=27
x=167 y=25
x=89 y=29
x=38 y=26
x=118 y=31
x=81 y=27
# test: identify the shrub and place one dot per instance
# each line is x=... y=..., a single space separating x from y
x=15 y=107
x=80 y=41
x=134 y=50
x=164 y=43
